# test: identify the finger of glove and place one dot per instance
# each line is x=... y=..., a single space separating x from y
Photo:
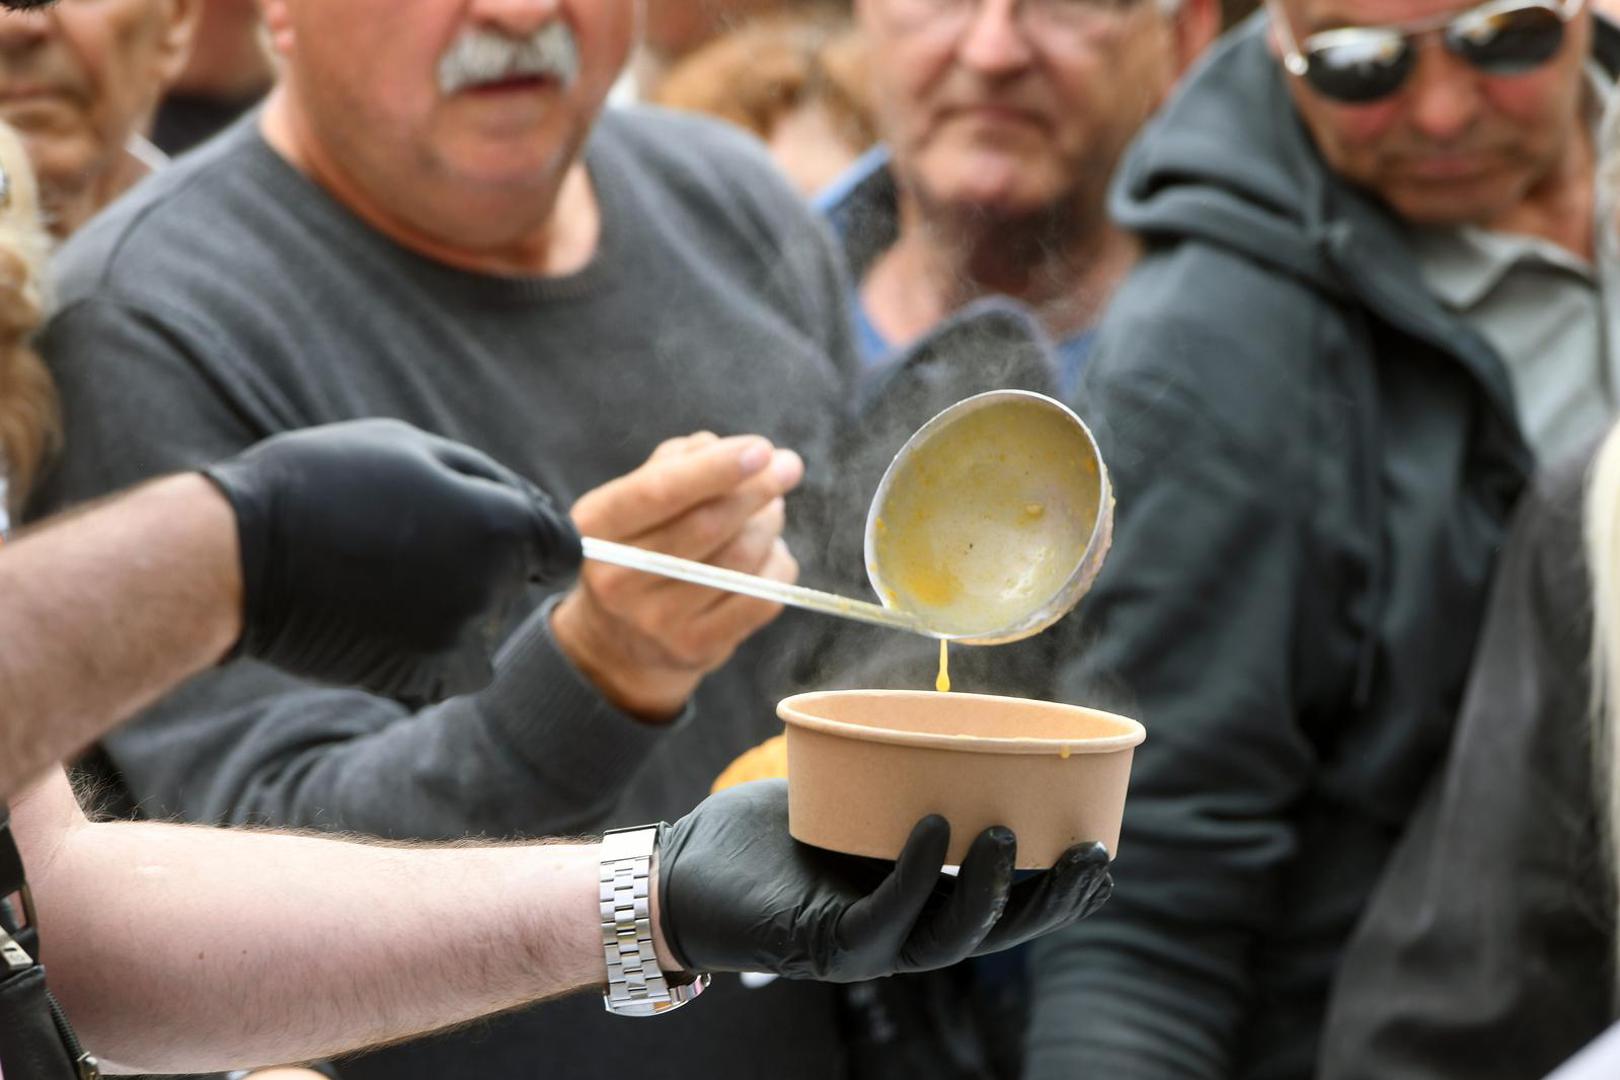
x=467 y=461
x=872 y=929
x=555 y=549
x=1052 y=899
x=519 y=513
x=958 y=918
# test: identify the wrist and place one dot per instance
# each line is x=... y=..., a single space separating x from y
x=204 y=516
x=666 y=957
x=639 y=689
x=560 y=913
x=642 y=977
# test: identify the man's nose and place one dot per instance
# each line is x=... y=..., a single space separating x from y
x=22 y=30
x=1444 y=94
x=516 y=18
x=994 y=43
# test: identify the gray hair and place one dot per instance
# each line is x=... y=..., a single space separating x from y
x=479 y=55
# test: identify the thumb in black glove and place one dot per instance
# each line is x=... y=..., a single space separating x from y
x=737 y=893
x=372 y=552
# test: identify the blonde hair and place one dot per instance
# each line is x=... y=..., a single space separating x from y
x=1602 y=527
x=756 y=75
x=29 y=424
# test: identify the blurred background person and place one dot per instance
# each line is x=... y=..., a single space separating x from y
x=798 y=81
x=1369 y=303
x=674 y=29
x=1489 y=948
x=28 y=419
x=1002 y=124
x=228 y=73
x=80 y=82
x=1234 y=11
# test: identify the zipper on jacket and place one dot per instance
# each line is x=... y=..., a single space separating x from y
x=84 y=1063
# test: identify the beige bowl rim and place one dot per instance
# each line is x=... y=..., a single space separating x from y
x=789 y=710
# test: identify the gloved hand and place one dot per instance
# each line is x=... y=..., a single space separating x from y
x=372 y=552
x=737 y=893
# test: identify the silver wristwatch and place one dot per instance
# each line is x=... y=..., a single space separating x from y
x=635 y=984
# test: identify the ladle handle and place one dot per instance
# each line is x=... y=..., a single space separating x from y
x=777 y=592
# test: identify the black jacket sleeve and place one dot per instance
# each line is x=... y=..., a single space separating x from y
x=1488 y=948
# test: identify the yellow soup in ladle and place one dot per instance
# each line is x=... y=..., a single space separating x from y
x=985 y=524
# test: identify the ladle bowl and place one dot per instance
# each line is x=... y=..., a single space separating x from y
x=993 y=520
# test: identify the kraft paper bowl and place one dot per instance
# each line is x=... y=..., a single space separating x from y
x=865 y=765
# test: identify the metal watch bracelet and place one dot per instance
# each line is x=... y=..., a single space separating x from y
x=636 y=986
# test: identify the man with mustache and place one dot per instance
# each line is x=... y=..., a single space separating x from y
x=81 y=84
x=1002 y=125
x=430 y=220
x=1370 y=300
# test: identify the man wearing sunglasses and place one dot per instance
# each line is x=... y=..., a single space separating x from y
x=1368 y=304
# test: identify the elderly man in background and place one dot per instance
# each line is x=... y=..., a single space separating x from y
x=80 y=83
x=1370 y=301
x=1003 y=124
x=450 y=234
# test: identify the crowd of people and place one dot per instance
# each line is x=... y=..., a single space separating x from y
x=431 y=291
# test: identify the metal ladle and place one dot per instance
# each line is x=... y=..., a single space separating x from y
x=989 y=525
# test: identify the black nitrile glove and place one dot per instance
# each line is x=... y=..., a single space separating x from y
x=372 y=552
x=737 y=893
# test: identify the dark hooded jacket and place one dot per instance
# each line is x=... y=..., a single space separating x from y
x=1487 y=951
x=1314 y=463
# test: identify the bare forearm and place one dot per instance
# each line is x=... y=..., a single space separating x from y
x=229 y=949
x=103 y=612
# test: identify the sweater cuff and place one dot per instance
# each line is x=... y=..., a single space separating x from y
x=557 y=718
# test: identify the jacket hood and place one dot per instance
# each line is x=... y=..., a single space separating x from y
x=1227 y=161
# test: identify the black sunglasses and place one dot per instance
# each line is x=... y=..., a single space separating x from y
x=1364 y=63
